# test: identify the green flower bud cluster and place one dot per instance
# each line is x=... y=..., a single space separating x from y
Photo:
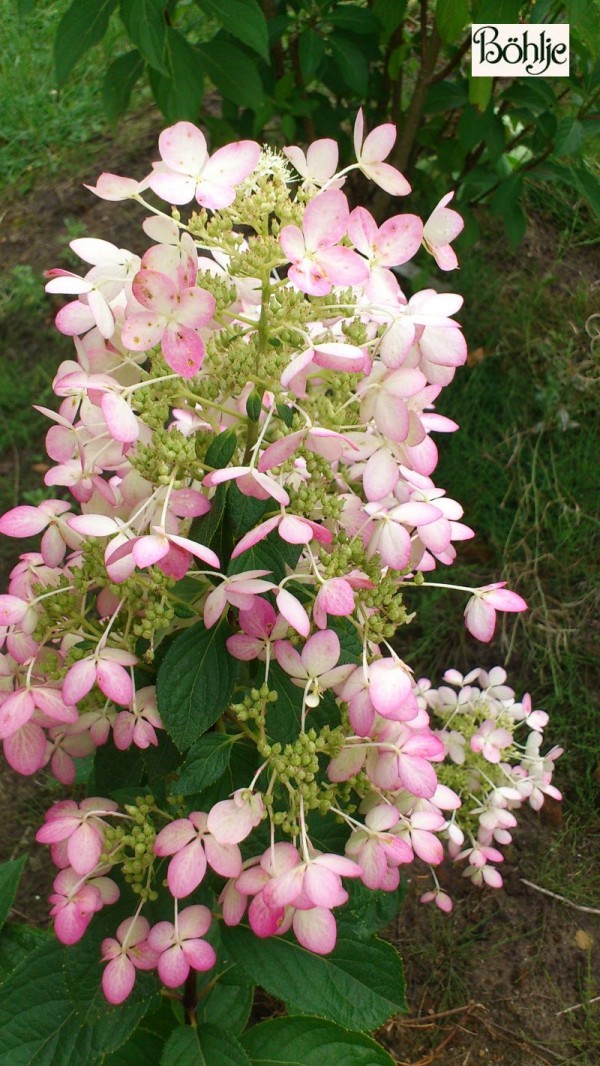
x=254 y=706
x=263 y=254
x=169 y=452
x=220 y=288
x=131 y=845
x=156 y=615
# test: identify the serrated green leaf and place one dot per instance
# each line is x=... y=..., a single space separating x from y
x=142 y=1047
x=53 y=1013
x=497 y=11
x=244 y=512
x=367 y=911
x=309 y=1041
x=180 y=94
x=233 y=72
x=311 y=50
x=206 y=762
x=146 y=25
x=244 y=19
x=82 y=26
x=194 y=682
x=360 y=984
x=351 y=64
x=18 y=941
x=569 y=137
x=220 y=450
x=229 y=1002
x=204 y=1045
x=451 y=17
x=10 y=875
x=118 y=83
x=480 y=92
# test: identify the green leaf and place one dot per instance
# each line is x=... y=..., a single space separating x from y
x=311 y=1042
x=206 y=762
x=244 y=19
x=82 y=26
x=203 y=1046
x=351 y=64
x=221 y=449
x=284 y=716
x=119 y=80
x=194 y=682
x=229 y=1002
x=17 y=942
x=180 y=94
x=587 y=185
x=10 y=874
x=352 y=18
x=446 y=96
x=142 y=1047
x=244 y=512
x=254 y=405
x=146 y=25
x=500 y=11
x=480 y=92
x=25 y=7
x=310 y=53
x=360 y=984
x=389 y=13
x=506 y=204
x=367 y=911
x=451 y=16
x=233 y=72
x=569 y=137
x=53 y=1013
x=583 y=17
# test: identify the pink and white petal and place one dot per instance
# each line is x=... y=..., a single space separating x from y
x=326 y=219
x=417 y=775
x=174 y=837
x=155 y=291
x=15 y=712
x=183 y=350
x=120 y=419
x=172 y=187
x=183 y=148
x=114 y=187
x=274 y=454
x=196 y=308
x=380 y=475
x=200 y=551
x=225 y=859
x=23 y=521
x=148 y=550
x=321 y=158
x=399 y=239
x=78 y=681
x=142 y=331
x=118 y=980
x=254 y=536
x=194 y=922
x=321 y=885
x=315 y=930
x=480 y=619
x=84 y=848
x=292 y=242
x=74 y=319
x=427 y=847
x=362 y=230
x=186 y=869
x=293 y=612
x=199 y=954
x=173 y=967
x=264 y=921
x=343 y=266
x=336 y=355
x=271 y=487
x=114 y=681
x=378 y=143
x=25 y=750
x=388 y=178
x=103 y=316
x=389 y=686
x=231 y=164
x=321 y=652
x=289 y=659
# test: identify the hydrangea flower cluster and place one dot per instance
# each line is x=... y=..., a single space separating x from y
x=246 y=432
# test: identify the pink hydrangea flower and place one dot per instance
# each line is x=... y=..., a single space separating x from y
x=442 y=226
x=180 y=947
x=192 y=847
x=372 y=150
x=82 y=826
x=172 y=318
x=138 y=724
x=127 y=953
x=319 y=164
x=232 y=820
x=187 y=171
x=315 y=669
x=480 y=612
x=318 y=261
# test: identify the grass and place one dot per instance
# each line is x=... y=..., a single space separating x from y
x=41 y=127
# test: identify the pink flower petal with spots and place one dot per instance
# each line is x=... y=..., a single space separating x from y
x=183 y=350
x=155 y=291
x=183 y=148
x=196 y=308
x=398 y=240
x=142 y=331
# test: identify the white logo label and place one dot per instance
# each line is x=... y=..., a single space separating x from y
x=528 y=51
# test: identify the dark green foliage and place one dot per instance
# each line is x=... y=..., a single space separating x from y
x=305 y=69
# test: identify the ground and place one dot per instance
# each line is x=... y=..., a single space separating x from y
x=510 y=978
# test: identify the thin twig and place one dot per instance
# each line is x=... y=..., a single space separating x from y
x=562 y=899
x=586 y=1003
